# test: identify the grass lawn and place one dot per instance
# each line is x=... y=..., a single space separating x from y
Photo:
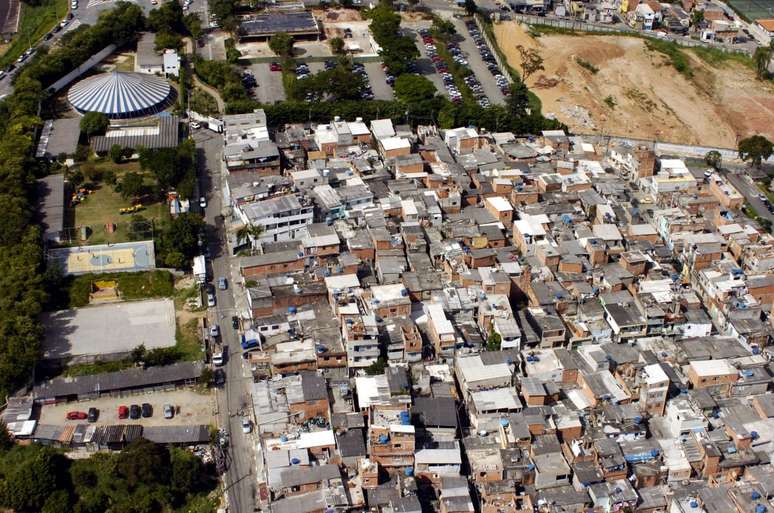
x=75 y=290
x=103 y=206
x=34 y=22
x=87 y=369
x=188 y=339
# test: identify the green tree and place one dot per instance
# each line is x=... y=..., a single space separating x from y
x=518 y=101
x=282 y=44
x=337 y=46
x=166 y=40
x=442 y=27
x=762 y=59
x=6 y=442
x=179 y=239
x=713 y=159
x=131 y=185
x=249 y=232
x=94 y=123
x=168 y=17
x=143 y=461
x=494 y=341
x=755 y=149
x=414 y=88
x=193 y=24
x=116 y=153
x=697 y=16
x=470 y=7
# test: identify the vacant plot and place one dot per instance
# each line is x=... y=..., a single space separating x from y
x=101 y=210
x=109 y=331
x=637 y=92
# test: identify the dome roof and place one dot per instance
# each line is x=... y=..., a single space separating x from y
x=120 y=95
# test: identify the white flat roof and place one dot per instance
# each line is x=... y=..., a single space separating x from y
x=655 y=374
x=712 y=367
x=342 y=281
x=500 y=204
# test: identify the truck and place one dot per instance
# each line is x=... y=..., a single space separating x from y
x=250 y=342
x=200 y=269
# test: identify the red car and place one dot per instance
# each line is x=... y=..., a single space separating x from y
x=275 y=66
x=76 y=415
x=123 y=412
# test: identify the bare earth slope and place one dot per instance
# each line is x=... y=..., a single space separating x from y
x=637 y=93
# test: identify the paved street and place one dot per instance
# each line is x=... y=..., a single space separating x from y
x=378 y=81
x=744 y=184
x=234 y=396
x=270 y=88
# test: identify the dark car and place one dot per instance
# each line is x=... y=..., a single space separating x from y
x=219 y=377
x=235 y=322
x=93 y=415
x=134 y=412
x=147 y=410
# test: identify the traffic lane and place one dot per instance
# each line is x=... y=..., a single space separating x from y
x=750 y=193
x=477 y=64
x=425 y=65
x=378 y=80
x=270 y=88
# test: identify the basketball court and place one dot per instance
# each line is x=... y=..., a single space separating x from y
x=121 y=257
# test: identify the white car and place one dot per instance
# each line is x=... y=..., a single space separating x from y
x=247 y=426
x=73 y=5
x=203 y=202
x=196 y=125
x=214 y=331
x=210 y=299
x=217 y=359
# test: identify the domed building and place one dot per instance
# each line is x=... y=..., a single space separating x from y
x=121 y=95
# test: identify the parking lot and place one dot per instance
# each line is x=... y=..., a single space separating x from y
x=378 y=80
x=195 y=408
x=472 y=52
x=425 y=66
x=270 y=88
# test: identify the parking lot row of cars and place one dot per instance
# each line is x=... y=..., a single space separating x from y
x=440 y=66
x=488 y=57
x=133 y=411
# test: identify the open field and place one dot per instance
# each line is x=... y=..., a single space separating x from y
x=103 y=205
x=636 y=91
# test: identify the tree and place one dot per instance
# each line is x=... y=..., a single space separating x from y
x=193 y=24
x=471 y=7
x=414 y=88
x=168 y=17
x=713 y=158
x=143 y=461
x=94 y=123
x=6 y=442
x=282 y=44
x=165 y=39
x=249 y=232
x=179 y=240
x=697 y=16
x=518 y=101
x=531 y=61
x=443 y=27
x=755 y=149
x=494 y=341
x=762 y=59
x=116 y=153
x=337 y=46
x=131 y=185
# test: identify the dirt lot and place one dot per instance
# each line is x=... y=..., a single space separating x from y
x=637 y=92
x=195 y=408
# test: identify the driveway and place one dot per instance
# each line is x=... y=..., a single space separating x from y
x=378 y=80
x=270 y=88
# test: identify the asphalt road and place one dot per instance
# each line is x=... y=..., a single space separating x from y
x=749 y=190
x=378 y=80
x=234 y=396
x=270 y=88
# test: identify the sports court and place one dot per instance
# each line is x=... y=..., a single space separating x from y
x=103 y=258
x=753 y=9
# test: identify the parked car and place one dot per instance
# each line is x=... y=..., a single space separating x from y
x=217 y=359
x=222 y=283
x=214 y=331
x=76 y=415
x=235 y=322
x=196 y=125
x=169 y=411
x=274 y=66
x=203 y=202
x=247 y=426
x=218 y=377
x=210 y=298
x=134 y=412
x=123 y=412
x=147 y=410
x=93 y=415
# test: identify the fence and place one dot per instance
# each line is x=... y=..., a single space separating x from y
x=494 y=48
x=585 y=26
